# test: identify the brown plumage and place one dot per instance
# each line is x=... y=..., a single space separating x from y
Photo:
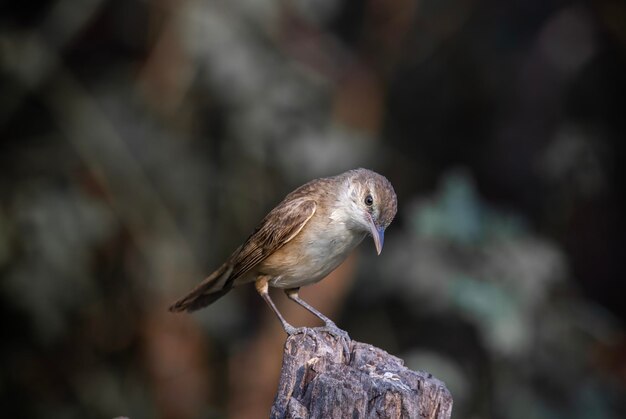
x=303 y=239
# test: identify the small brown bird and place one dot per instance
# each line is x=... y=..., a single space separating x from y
x=303 y=239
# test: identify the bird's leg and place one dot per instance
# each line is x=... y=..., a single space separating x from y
x=262 y=289
x=330 y=325
x=293 y=295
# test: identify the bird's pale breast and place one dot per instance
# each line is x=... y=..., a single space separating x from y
x=316 y=251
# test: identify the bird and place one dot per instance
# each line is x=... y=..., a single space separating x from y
x=304 y=238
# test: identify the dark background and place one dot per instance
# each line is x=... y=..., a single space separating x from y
x=141 y=142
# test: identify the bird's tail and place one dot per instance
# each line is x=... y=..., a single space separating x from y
x=212 y=288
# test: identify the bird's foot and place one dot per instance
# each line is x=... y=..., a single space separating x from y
x=341 y=335
x=334 y=330
x=295 y=330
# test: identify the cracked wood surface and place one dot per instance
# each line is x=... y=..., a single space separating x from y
x=319 y=379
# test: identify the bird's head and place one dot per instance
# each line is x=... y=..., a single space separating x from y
x=371 y=203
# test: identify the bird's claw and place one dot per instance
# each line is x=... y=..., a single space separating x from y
x=295 y=330
x=332 y=329
x=336 y=331
x=341 y=336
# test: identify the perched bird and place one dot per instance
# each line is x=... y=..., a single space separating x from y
x=303 y=239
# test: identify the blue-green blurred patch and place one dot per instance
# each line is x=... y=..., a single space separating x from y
x=494 y=310
x=458 y=214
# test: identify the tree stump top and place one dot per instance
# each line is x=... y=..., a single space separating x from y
x=320 y=380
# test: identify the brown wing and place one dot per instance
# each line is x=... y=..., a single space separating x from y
x=282 y=224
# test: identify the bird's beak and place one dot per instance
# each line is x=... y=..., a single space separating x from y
x=378 y=234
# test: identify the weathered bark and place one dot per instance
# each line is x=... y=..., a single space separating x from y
x=320 y=380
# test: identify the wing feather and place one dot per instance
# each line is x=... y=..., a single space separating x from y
x=281 y=225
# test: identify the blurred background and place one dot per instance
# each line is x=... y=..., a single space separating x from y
x=141 y=142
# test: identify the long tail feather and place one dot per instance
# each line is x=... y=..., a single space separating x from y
x=212 y=288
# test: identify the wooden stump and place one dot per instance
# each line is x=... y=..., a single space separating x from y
x=320 y=380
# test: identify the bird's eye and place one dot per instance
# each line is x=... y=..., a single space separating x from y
x=369 y=200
